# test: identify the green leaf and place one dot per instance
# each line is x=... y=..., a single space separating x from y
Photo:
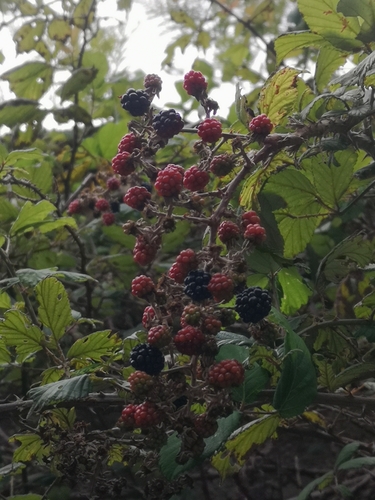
x=59 y=29
x=305 y=493
x=54 y=308
x=104 y=143
x=73 y=112
x=332 y=182
x=30 y=80
x=357 y=75
x=83 y=14
x=28 y=35
x=18 y=331
x=5 y=302
x=362 y=370
x=4 y=354
x=357 y=463
x=255 y=381
x=23 y=154
x=167 y=463
x=256 y=432
x=299 y=220
x=94 y=346
x=365 y=9
x=30 y=496
x=32 y=447
x=18 y=111
x=181 y=17
x=51 y=225
x=278 y=96
x=326 y=376
x=295 y=292
x=65 y=390
x=11 y=469
x=288 y=43
x=52 y=374
x=230 y=351
x=31 y=277
x=346 y=453
x=322 y=18
x=79 y=80
x=31 y=214
x=297 y=386
x=224 y=338
x=329 y=60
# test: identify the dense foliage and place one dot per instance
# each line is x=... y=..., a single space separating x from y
x=178 y=292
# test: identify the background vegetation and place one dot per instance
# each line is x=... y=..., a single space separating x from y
x=69 y=320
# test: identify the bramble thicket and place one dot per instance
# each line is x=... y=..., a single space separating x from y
x=181 y=290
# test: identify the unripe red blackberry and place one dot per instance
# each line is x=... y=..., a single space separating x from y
x=129 y=143
x=187 y=259
x=209 y=130
x=136 y=102
x=195 y=84
x=177 y=272
x=168 y=123
x=211 y=325
x=221 y=287
x=227 y=373
x=253 y=304
x=189 y=340
x=153 y=82
x=159 y=336
x=136 y=197
x=108 y=218
x=221 y=165
x=142 y=286
x=205 y=425
x=169 y=181
x=148 y=316
x=196 y=284
x=250 y=217
x=191 y=315
x=261 y=125
x=113 y=183
x=255 y=233
x=228 y=231
x=195 y=179
x=147 y=415
x=123 y=164
x=75 y=207
x=141 y=383
x=102 y=205
x=147 y=358
x=144 y=252
x=127 y=416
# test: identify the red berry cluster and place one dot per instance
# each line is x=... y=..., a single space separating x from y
x=261 y=125
x=142 y=286
x=249 y=227
x=186 y=261
x=143 y=416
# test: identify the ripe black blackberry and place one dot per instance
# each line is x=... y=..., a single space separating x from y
x=167 y=123
x=136 y=102
x=147 y=358
x=196 y=285
x=253 y=304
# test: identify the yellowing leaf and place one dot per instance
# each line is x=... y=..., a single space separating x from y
x=94 y=346
x=329 y=60
x=60 y=30
x=323 y=18
x=278 y=96
x=313 y=417
x=32 y=447
x=18 y=331
x=4 y=354
x=256 y=432
x=28 y=35
x=54 y=309
x=83 y=14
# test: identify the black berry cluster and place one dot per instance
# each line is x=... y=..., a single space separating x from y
x=136 y=102
x=147 y=358
x=253 y=304
x=196 y=284
x=168 y=123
